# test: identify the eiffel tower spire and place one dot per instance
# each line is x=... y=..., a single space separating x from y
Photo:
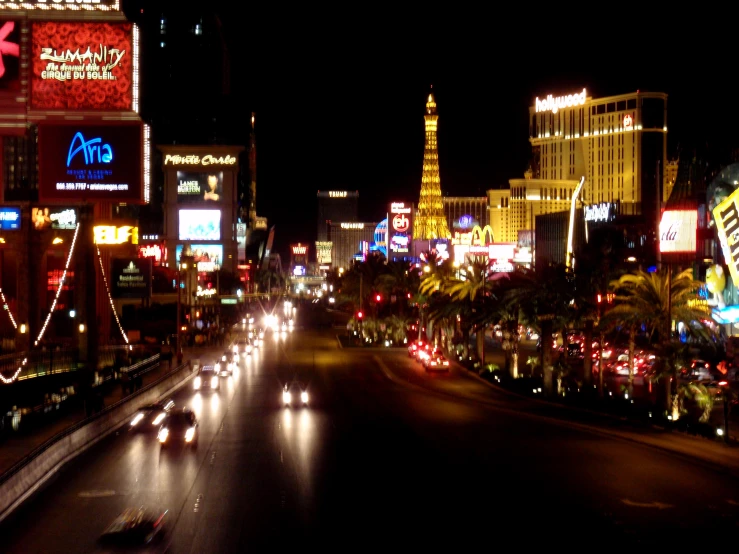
x=430 y=221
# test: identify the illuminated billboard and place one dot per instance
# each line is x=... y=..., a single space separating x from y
x=10 y=34
x=156 y=252
x=53 y=217
x=399 y=228
x=63 y=5
x=677 y=231
x=208 y=257
x=726 y=216
x=200 y=225
x=82 y=65
x=91 y=162
x=10 y=218
x=199 y=187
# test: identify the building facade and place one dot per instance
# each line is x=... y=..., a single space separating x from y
x=336 y=206
x=461 y=211
x=350 y=239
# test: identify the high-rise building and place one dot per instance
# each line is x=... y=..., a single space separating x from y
x=349 y=239
x=430 y=222
x=462 y=211
x=336 y=206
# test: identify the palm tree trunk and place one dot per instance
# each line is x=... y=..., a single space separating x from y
x=546 y=356
x=587 y=376
x=632 y=348
x=480 y=342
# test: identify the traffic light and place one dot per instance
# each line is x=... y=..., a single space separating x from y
x=360 y=315
x=378 y=298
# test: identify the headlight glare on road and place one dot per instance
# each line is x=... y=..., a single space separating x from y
x=198 y=381
x=287 y=397
x=190 y=434
x=136 y=420
x=163 y=434
x=158 y=419
x=304 y=397
x=214 y=382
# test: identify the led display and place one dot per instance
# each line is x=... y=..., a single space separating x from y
x=199 y=187
x=10 y=218
x=91 y=162
x=81 y=65
x=200 y=225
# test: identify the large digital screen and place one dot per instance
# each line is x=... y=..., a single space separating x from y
x=53 y=218
x=81 y=65
x=10 y=218
x=200 y=225
x=91 y=162
x=203 y=253
x=10 y=56
x=400 y=232
x=199 y=187
x=677 y=231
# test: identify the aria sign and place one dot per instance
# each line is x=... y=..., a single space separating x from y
x=677 y=231
x=555 y=103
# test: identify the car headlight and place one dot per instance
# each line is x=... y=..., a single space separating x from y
x=158 y=419
x=304 y=397
x=163 y=434
x=214 y=382
x=137 y=419
x=223 y=358
x=197 y=382
x=287 y=397
x=190 y=434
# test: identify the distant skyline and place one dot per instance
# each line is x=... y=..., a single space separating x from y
x=339 y=104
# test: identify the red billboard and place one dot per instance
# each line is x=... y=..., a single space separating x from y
x=79 y=163
x=76 y=65
x=10 y=34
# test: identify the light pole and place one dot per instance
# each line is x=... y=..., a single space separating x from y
x=180 y=267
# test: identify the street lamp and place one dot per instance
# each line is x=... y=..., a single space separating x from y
x=181 y=267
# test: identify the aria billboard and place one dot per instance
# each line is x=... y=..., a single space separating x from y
x=199 y=187
x=80 y=163
x=82 y=65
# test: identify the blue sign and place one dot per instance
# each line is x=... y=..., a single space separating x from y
x=10 y=218
x=93 y=150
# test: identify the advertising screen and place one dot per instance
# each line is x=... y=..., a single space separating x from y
x=399 y=223
x=10 y=218
x=203 y=253
x=91 y=162
x=10 y=56
x=53 y=218
x=62 y=5
x=130 y=278
x=200 y=225
x=81 y=65
x=677 y=231
x=199 y=187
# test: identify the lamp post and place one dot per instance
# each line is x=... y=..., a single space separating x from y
x=179 y=305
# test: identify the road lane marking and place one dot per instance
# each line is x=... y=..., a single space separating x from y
x=658 y=505
x=96 y=494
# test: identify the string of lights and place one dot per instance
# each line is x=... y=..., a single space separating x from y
x=7 y=309
x=110 y=299
x=9 y=380
x=59 y=288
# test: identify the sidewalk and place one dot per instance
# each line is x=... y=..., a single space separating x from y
x=18 y=445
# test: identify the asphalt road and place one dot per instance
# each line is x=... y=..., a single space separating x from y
x=385 y=456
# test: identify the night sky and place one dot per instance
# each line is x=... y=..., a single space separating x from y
x=340 y=97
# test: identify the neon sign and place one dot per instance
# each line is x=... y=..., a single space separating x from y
x=554 y=103
x=6 y=47
x=352 y=225
x=110 y=234
x=337 y=194
x=401 y=223
x=399 y=208
x=152 y=251
x=299 y=250
x=208 y=159
x=94 y=150
x=599 y=212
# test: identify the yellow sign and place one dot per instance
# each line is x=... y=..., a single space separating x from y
x=110 y=234
x=726 y=216
x=479 y=235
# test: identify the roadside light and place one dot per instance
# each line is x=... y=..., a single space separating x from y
x=360 y=315
x=378 y=298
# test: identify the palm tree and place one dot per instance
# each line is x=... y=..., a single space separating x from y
x=398 y=281
x=658 y=299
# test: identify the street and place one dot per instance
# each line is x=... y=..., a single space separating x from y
x=384 y=456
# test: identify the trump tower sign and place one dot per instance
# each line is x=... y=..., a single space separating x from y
x=130 y=278
x=91 y=162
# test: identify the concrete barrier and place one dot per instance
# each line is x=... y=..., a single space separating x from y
x=28 y=475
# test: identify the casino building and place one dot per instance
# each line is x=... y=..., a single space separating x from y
x=350 y=239
x=75 y=159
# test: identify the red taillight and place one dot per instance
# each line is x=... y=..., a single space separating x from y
x=723 y=383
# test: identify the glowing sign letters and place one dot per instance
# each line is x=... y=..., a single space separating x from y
x=399 y=208
x=599 y=212
x=337 y=194
x=352 y=225
x=677 y=231
x=401 y=223
x=93 y=150
x=208 y=159
x=553 y=104
x=151 y=251
x=300 y=250
x=110 y=234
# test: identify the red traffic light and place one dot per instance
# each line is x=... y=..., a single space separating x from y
x=378 y=298
x=359 y=315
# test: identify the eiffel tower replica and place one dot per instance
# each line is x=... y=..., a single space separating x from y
x=430 y=221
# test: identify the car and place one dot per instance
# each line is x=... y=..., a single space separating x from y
x=228 y=363
x=149 y=417
x=413 y=348
x=179 y=428
x=244 y=347
x=135 y=527
x=207 y=378
x=436 y=362
x=294 y=394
